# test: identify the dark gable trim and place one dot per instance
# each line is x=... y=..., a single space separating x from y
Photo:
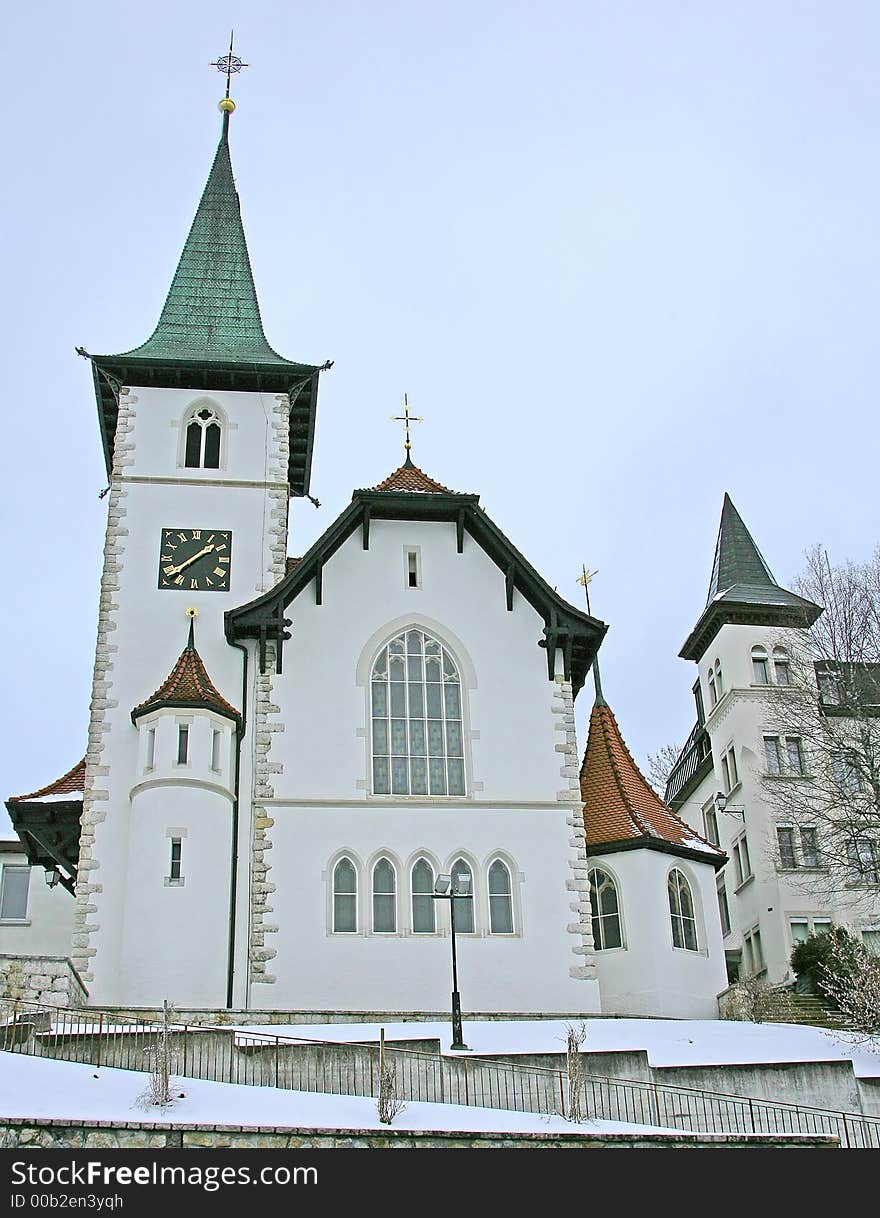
x=49 y=834
x=661 y=846
x=300 y=381
x=723 y=613
x=184 y=704
x=575 y=632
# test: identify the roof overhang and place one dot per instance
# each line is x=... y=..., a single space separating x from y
x=577 y=634
x=299 y=381
x=716 y=859
x=722 y=613
x=49 y=833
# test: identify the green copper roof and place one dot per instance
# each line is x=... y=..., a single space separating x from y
x=742 y=589
x=737 y=559
x=211 y=312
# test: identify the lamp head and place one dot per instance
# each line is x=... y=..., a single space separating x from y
x=442 y=885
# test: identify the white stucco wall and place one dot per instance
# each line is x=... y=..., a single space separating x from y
x=649 y=975
x=47 y=926
x=143 y=628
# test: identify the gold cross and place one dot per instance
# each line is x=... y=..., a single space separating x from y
x=585 y=578
x=406 y=418
x=229 y=63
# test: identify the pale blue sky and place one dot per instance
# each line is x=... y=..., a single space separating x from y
x=622 y=256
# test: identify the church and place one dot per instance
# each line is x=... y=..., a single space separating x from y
x=289 y=758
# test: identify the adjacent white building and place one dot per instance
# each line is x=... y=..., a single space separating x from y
x=773 y=892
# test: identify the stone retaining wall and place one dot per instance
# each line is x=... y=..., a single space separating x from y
x=46 y=1134
x=51 y=980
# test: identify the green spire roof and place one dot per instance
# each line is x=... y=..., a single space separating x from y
x=742 y=589
x=210 y=334
x=211 y=312
x=737 y=559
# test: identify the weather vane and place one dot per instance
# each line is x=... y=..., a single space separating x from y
x=585 y=579
x=230 y=64
x=406 y=418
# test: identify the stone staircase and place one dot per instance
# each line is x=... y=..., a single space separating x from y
x=786 y=1005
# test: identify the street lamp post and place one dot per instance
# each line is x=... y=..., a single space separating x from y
x=447 y=889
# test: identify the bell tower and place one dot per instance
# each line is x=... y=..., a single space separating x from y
x=207 y=432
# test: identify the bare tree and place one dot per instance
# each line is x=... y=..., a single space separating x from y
x=389 y=1102
x=851 y=979
x=158 y=1092
x=576 y=1034
x=660 y=765
x=822 y=743
x=754 y=1000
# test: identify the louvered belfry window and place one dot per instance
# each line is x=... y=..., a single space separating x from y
x=418 y=744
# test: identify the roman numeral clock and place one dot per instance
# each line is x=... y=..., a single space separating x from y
x=195 y=560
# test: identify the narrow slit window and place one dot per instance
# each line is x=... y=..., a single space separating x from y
x=174 y=866
x=413 y=579
x=215 y=749
x=151 y=749
x=182 y=743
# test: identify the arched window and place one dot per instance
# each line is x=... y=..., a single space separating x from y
x=718 y=679
x=417 y=736
x=464 y=906
x=500 y=900
x=681 y=911
x=713 y=692
x=203 y=432
x=781 y=670
x=760 y=666
x=606 y=910
x=384 y=898
x=345 y=898
x=423 y=922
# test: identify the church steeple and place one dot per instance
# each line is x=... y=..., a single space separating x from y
x=742 y=589
x=211 y=312
x=210 y=333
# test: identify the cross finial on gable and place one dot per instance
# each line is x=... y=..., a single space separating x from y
x=406 y=418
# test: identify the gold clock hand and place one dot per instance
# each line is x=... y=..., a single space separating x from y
x=189 y=561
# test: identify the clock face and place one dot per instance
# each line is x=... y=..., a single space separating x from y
x=195 y=560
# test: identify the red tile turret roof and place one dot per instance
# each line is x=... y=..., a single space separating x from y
x=187 y=685
x=72 y=783
x=619 y=804
x=409 y=477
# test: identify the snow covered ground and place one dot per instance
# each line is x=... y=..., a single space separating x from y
x=40 y=1087
x=668 y=1042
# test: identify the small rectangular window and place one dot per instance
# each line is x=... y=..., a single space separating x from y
x=151 y=749
x=754 y=951
x=174 y=872
x=809 y=848
x=795 y=755
x=723 y=907
x=216 y=737
x=742 y=861
x=773 y=755
x=787 y=856
x=14 y=892
x=800 y=930
x=710 y=823
x=783 y=674
x=182 y=743
x=760 y=670
x=413 y=574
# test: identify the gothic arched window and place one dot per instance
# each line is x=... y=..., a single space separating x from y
x=681 y=911
x=500 y=899
x=423 y=922
x=345 y=897
x=203 y=432
x=464 y=906
x=760 y=666
x=384 y=897
x=417 y=724
x=606 y=910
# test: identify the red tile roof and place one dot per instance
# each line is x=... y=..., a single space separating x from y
x=619 y=804
x=71 y=783
x=410 y=478
x=187 y=685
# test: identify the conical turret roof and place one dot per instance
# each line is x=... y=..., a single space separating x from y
x=621 y=810
x=187 y=686
x=742 y=588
